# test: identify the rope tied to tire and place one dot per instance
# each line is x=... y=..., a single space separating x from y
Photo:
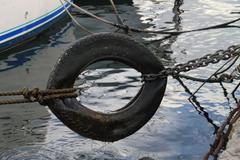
x=113 y=126
x=117 y=47
x=123 y=122
x=37 y=95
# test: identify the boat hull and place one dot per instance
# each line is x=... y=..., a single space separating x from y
x=24 y=19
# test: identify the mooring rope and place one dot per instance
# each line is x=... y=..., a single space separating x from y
x=36 y=95
x=165 y=31
x=74 y=20
x=222 y=133
x=41 y=96
x=124 y=27
x=119 y=19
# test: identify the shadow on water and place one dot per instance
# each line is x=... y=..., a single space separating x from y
x=19 y=55
x=23 y=125
x=198 y=106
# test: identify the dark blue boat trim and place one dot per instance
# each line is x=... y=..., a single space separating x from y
x=29 y=27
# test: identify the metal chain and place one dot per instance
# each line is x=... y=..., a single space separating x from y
x=42 y=96
x=204 y=61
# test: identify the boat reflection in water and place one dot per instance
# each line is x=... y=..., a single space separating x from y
x=29 y=131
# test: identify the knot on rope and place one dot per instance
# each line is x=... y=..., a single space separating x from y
x=37 y=95
x=34 y=95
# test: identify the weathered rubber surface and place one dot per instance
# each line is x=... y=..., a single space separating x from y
x=123 y=122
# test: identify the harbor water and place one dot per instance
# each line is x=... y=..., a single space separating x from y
x=178 y=130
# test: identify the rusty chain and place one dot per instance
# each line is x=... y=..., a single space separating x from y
x=204 y=61
x=42 y=96
x=223 y=133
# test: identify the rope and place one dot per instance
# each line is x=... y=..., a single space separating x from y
x=74 y=20
x=211 y=80
x=124 y=27
x=166 y=31
x=36 y=95
x=119 y=19
x=223 y=133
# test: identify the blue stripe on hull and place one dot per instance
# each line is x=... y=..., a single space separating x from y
x=32 y=33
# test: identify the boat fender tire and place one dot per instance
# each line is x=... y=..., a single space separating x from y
x=121 y=123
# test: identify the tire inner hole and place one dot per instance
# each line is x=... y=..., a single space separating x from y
x=107 y=86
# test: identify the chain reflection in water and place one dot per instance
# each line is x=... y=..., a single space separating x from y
x=198 y=106
x=104 y=83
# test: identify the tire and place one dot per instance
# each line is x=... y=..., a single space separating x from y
x=119 y=124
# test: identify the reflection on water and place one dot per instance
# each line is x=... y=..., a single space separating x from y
x=177 y=131
x=105 y=83
x=25 y=53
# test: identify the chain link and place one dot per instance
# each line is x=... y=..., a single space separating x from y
x=204 y=61
x=41 y=96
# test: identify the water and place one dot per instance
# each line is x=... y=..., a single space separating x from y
x=177 y=131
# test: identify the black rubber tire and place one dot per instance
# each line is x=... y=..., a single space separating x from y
x=123 y=122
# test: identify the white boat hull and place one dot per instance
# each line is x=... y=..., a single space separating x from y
x=24 y=19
